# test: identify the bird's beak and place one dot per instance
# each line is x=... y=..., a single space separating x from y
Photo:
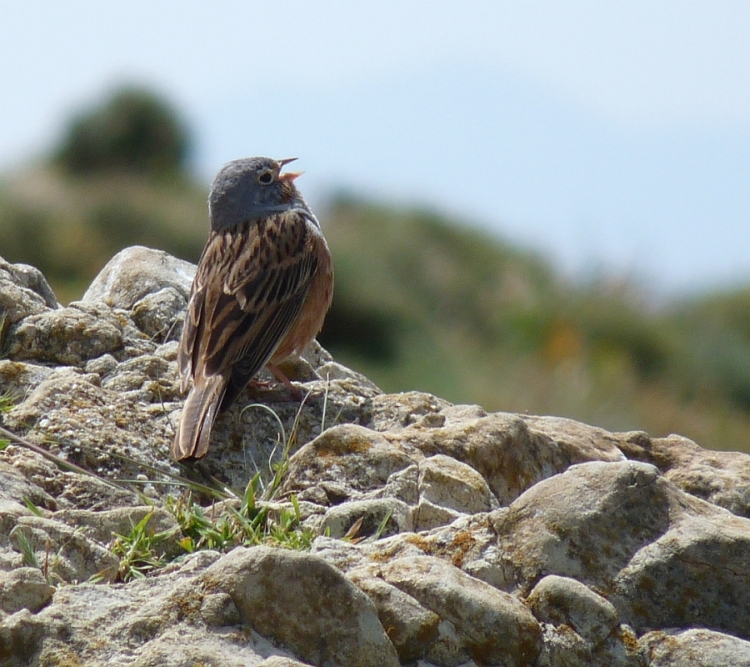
x=290 y=175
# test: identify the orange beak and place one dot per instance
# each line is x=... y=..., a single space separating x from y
x=290 y=175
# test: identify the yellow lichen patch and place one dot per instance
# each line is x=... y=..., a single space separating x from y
x=462 y=542
x=344 y=446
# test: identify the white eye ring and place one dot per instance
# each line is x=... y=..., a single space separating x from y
x=265 y=177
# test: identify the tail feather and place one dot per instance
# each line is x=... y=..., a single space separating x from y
x=201 y=407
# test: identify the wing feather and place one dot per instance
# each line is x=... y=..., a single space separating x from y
x=249 y=288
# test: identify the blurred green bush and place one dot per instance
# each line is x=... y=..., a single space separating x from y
x=119 y=177
x=135 y=130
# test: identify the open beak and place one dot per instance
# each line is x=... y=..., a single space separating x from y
x=290 y=175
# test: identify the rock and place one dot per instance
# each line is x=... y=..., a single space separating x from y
x=442 y=536
x=477 y=621
x=92 y=426
x=362 y=458
x=29 y=278
x=19 y=379
x=278 y=661
x=511 y=452
x=695 y=574
x=382 y=516
x=68 y=556
x=158 y=315
x=397 y=411
x=147 y=622
x=67 y=336
x=137 y=272
x=586 y=523
x=23 y=292
x=560 y=600
x=563 y=647
x=722 y=478
x=24 y=588
x=411 y=627
x=448 y=483
x=402 y=485
x=21 y=636
x=17 y=486
x=696 y=648
x=428 y=515
x=101 y=525
x=322 y=616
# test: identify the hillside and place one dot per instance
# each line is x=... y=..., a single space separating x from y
x=425 y=302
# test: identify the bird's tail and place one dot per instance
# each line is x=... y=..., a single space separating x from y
x=194 y=431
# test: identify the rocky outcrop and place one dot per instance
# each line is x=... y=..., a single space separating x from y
x=428 y=533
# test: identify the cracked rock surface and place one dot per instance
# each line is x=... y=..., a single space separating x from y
x=445 y=536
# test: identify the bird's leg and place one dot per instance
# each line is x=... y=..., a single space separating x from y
x=281 y=377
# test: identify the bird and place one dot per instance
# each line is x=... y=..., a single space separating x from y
x=263 y=286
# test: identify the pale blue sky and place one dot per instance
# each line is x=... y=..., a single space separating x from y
x=610 y=136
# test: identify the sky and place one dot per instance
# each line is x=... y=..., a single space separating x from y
x=614 y=138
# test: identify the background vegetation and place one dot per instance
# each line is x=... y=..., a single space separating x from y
x=422 y=301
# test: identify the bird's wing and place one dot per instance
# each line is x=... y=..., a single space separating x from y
x=248 y=290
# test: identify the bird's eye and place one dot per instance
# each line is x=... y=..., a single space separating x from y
x=265 y=178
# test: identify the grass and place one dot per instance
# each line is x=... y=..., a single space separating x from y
x=140 y=551
x=255 y=521
x=224 y=526
x=26 y=548
x=257 y=516
x=254 y=518
x=7 y=400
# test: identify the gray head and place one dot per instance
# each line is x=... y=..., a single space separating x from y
x=250 y=188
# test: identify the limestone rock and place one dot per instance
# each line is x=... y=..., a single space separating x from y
x=136 y=273
x=511 y=452
x=278 y=661
x=411 y=627
x=322 y=616
x=442 y=536
x=67 y=336
x=345 y=461
x=19 y=378
x=66 y=554
x=696 y=648
x=387 y=514
x=23 y=292
x=722 y=478
x=696 y=574
x=454 y=485
x=477 y=621
x=159 y=315
x=560 y=600
x=586 y=523
x=21 y=636
x=24 y=588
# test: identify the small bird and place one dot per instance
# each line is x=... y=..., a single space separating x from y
x=263 y=286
